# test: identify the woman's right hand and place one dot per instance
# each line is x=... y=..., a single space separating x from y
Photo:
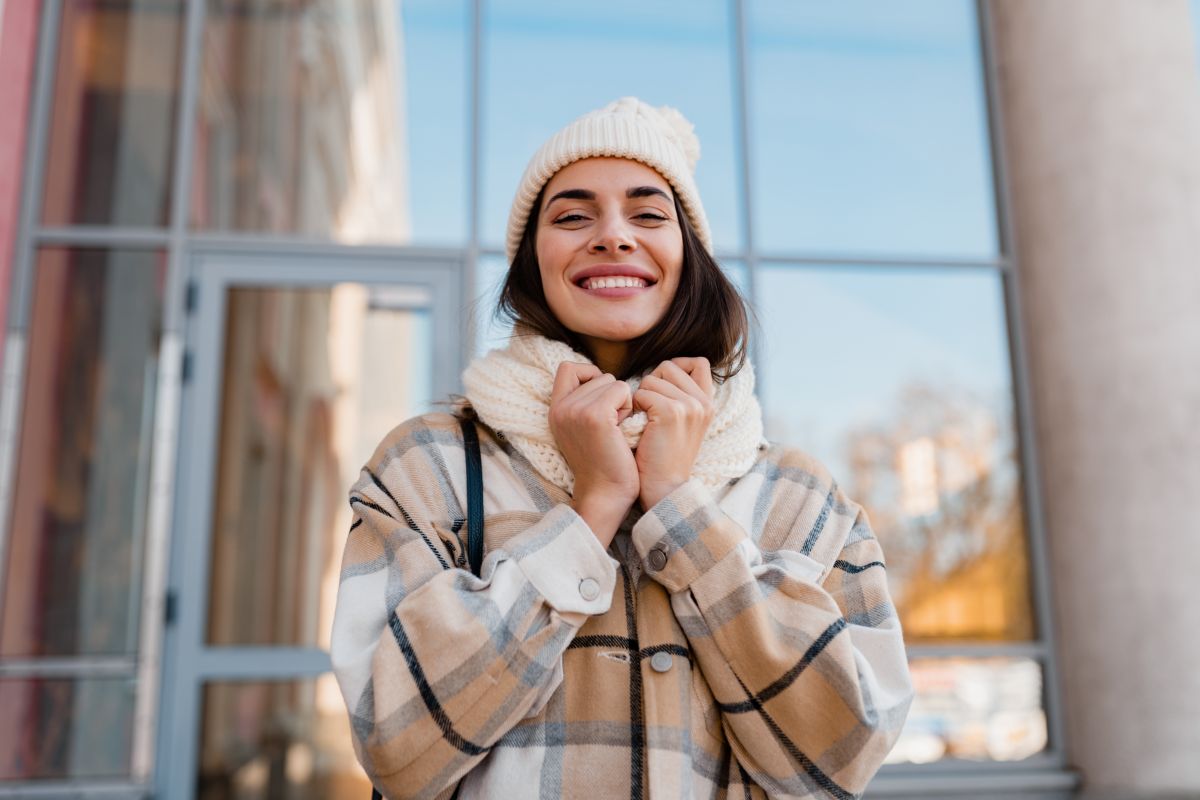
x=586 y=406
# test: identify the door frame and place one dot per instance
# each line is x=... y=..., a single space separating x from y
x=188 y=663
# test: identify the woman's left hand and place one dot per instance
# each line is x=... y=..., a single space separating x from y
x=678 y=400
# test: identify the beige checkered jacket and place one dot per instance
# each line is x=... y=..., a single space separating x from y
x=729 y=644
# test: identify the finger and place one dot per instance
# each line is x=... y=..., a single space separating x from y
x=675 y=374
x=668 y=389
x=587 y=393
x=605 y=398
x=617 y=397
x=698 y=369
x=683 y=406
x=652 y=402
x=569 y=376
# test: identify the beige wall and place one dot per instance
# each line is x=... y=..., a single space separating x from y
x=1101 y=100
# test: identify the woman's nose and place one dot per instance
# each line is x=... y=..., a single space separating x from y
x=612 y=236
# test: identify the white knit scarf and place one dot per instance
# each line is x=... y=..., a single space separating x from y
x=510 y=391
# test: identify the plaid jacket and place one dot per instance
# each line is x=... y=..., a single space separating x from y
x=738 y=643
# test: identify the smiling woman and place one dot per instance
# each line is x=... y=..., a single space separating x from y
x=668 y=605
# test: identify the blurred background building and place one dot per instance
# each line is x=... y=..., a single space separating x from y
x=241 y=239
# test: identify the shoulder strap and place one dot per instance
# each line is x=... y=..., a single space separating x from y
x=474 y=516
x=474 y=495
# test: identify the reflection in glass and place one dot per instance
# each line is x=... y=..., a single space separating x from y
x=739 y=276
x=869 y=128
x=547 y=63
x=977 y=709
x=899 y=381
x=490 y=332
x=115 y=88
x=313 y=379
x=305 y=120
x=286 y=740
x=79 y=505
x=65 y=728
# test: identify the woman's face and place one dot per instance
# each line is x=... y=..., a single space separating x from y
x=609 y=248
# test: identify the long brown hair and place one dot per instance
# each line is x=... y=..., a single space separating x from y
x=707 y=317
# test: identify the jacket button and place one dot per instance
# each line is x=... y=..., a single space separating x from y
x=589 y=589
x=657 y=558
x=660 y=661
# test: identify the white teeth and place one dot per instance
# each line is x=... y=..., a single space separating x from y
x=614 y=283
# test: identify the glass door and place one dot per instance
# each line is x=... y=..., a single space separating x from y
x=298 y=367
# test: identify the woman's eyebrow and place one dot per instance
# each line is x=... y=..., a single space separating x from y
x=646 y=191
x=588 y=194
x=572 y=194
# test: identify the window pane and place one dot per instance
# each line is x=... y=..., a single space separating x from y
x=899 y=381
x=344 y=120
x=313 y=379
x=547 y=63
x=78 y=519
x=286 y=740
x=977 y=709
x=490 y=332
x=65 y=728
x=739 y=276
x=869 y=128
x=113 y=119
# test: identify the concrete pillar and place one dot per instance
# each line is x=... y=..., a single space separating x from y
x=1101 y=107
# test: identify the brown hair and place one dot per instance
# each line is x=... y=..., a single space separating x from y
x=707 y=316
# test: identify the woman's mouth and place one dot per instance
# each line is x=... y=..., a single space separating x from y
x=614 y=286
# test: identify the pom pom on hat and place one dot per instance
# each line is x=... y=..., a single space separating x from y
x=677 y=127
x=661 y=138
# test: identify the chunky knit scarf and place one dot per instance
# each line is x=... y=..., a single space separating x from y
x=510 y=391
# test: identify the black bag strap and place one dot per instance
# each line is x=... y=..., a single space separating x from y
x=474 y=495
x=474 y=518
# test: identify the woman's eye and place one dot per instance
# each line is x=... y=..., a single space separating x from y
x=652 y=216
x=569 y=218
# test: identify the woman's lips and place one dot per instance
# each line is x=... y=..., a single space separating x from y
x=618 y=291
x=614 y=286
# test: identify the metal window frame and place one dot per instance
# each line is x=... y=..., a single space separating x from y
x=1047 y=771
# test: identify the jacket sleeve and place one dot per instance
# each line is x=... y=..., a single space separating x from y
x=805 y=659
x=435 y=664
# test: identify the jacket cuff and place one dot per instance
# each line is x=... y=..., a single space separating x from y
x=684 y=535
x=564 y=561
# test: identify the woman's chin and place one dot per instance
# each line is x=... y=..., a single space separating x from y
x=614 y=334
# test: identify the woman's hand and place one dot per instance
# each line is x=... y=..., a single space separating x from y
x=586 y=406
x=677 y=398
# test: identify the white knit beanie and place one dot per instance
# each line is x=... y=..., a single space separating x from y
x=661 y=138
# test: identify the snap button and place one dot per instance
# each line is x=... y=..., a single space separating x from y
x=657 y=558
x=660 y=661
x=589 y=588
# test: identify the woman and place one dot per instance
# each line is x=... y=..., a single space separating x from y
x=669 y=607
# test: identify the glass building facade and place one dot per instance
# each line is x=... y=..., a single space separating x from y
x=254 y=235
